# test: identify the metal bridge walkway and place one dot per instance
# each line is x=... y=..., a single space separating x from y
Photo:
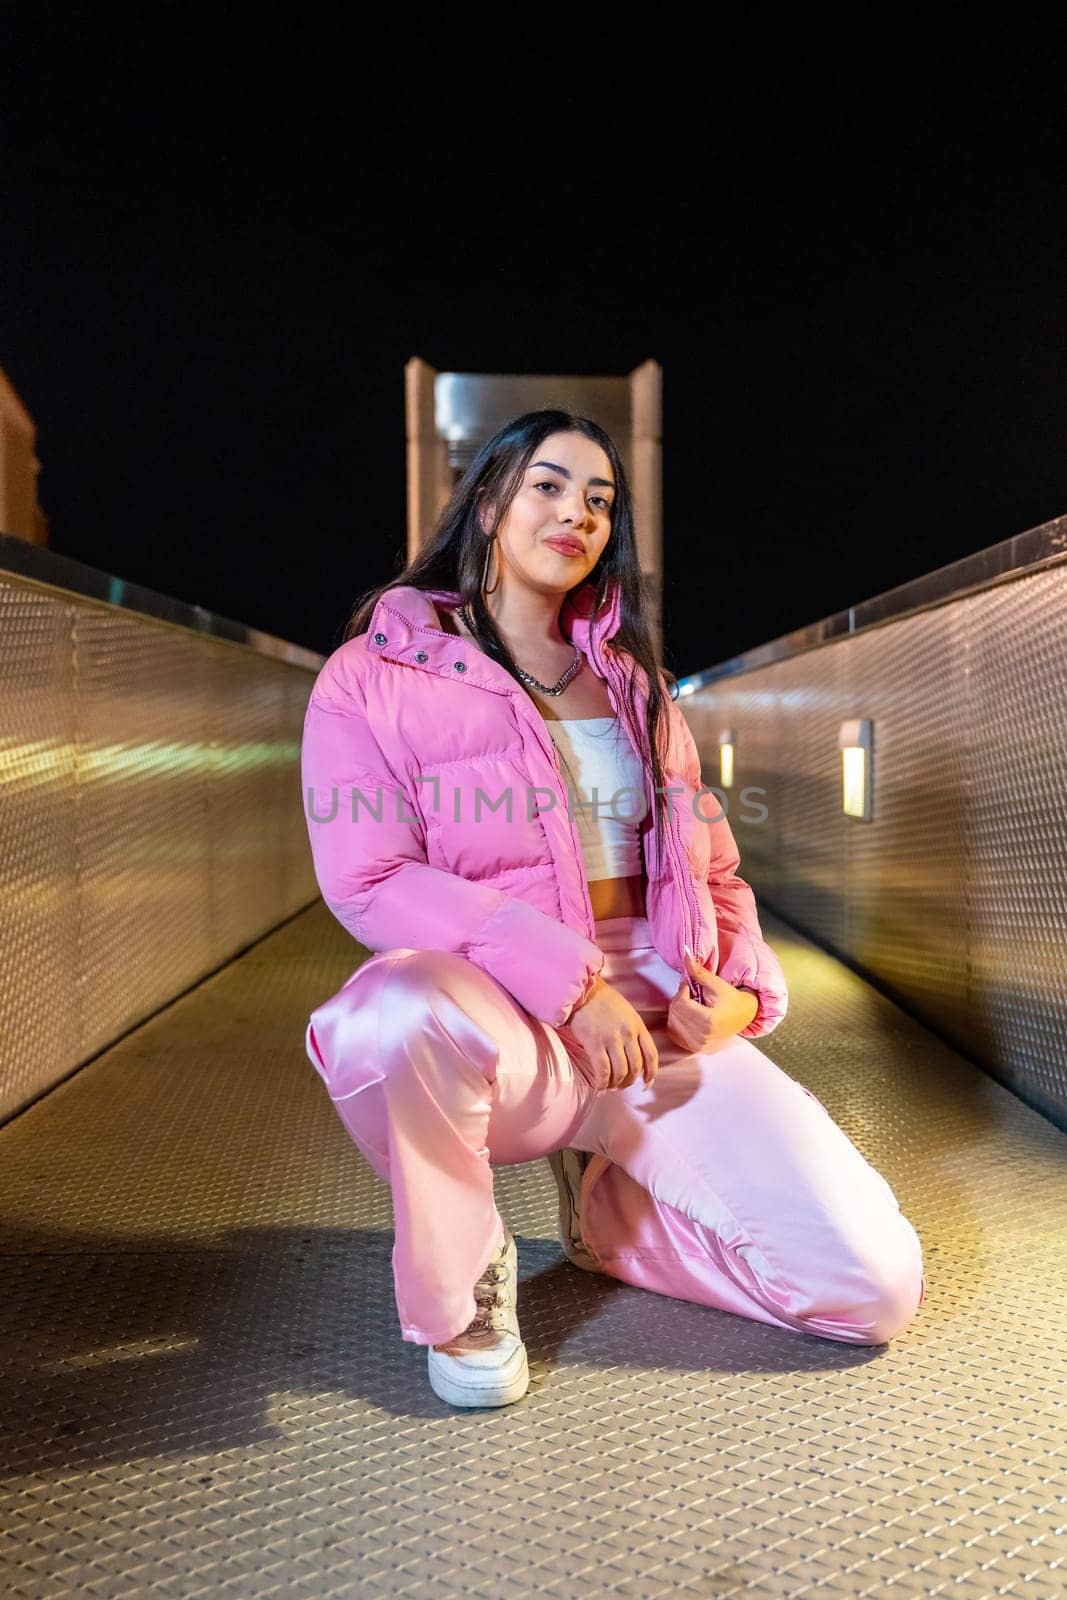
x=206 y=1393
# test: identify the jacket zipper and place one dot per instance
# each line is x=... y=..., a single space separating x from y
x=682 y=875
x=688 y=898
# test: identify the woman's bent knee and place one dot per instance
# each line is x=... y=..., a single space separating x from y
x=361 y=1034
x=343 y=1034
x=896 y=1288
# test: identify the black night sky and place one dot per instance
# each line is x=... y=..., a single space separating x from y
x=224 y=235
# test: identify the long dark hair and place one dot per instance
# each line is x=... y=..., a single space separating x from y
x=453 y=558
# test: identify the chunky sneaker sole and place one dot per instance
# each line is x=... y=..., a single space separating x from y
x=568 y=1167
x=455 y=1380
x=498 y=1373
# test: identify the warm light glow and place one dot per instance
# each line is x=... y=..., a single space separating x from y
x=45 y=761
x=726 y=766
x=727 y=746
x=855 y=740
x=854 y=777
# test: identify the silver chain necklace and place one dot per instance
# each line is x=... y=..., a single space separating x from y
x=527 y=677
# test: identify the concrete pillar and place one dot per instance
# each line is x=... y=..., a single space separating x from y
x=423 y=452
x=450 y=414
x=646 y=424
x=20 y=514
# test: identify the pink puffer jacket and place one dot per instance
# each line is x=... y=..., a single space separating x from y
x=438 y=816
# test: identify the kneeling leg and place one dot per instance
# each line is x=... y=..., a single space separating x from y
x=728 y=1183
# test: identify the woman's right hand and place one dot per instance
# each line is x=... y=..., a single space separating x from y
x=614 y=1039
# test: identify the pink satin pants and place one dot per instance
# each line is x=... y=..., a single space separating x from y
x=725 y=1183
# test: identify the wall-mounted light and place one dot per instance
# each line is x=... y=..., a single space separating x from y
x=727 y=741
x=855 y=741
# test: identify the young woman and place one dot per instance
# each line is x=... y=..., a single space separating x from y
x=505 y=804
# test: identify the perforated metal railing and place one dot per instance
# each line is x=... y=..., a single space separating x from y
x=150 y=815
x=953 y=897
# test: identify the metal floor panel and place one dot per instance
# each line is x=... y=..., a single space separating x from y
x=205 y=1391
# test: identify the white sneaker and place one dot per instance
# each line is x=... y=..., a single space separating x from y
x=486 y=1364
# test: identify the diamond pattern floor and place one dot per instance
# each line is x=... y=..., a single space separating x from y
x=205 y=1391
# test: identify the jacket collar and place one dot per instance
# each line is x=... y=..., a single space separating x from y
x=591 y=632
x=406 y=619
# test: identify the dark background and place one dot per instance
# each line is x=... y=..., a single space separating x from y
x=223 y=235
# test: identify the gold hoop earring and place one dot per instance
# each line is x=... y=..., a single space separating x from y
x=485 y=569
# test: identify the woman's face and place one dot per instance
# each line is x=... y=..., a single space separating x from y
x=565 y=498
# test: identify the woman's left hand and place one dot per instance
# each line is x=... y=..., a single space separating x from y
x=725 y=1011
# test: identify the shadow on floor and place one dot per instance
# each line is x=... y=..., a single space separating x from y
x=115 y=1348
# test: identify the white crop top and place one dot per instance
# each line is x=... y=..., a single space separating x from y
x=605 y=783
